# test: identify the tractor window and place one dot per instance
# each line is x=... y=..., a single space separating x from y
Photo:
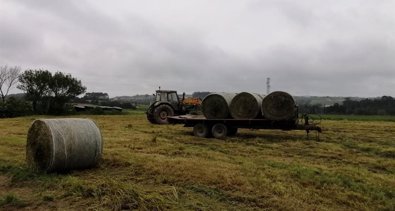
x=172 y=97
x=163 y=96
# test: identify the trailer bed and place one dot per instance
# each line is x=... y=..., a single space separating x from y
x=199 y=121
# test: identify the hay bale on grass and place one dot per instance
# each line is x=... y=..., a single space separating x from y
x=216 y=105
x=279 y=106
x=246 y=106
x=63 y=144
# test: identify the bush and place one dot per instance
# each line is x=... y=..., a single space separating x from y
x=14 y=107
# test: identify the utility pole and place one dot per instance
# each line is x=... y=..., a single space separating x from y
x=267 y=85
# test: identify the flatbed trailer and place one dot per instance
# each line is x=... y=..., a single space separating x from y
x=220 y=128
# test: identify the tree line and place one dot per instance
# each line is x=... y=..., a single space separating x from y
x=49 y=93
x=384 y=105
x=45 y=92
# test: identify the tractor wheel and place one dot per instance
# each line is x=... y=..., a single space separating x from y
x=232 y=131
x=150 y=115
x=201 y=130
x=151 y=119
x=219 y=131
x=161 y=113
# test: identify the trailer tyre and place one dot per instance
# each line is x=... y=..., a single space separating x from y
x=201 y=130
x=219 y=130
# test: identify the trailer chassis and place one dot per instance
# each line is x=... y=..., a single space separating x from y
x=221 y=128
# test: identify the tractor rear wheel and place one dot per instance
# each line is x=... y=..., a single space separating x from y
x=150 y=118
x=219 y=130
x=161 y=113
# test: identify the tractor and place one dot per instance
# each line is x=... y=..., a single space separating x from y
x=167 y=103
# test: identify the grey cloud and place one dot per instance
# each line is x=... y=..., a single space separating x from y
x=125 y=48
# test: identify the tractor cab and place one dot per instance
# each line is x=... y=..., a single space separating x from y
x=166 y=104
x=168 y=96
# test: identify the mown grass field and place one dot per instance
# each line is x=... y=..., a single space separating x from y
x=355 y=117
x=164 y=167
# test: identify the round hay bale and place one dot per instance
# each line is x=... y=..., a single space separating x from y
x=278 y=106
x=216 y=105
x=59 y=145
x=246 y=106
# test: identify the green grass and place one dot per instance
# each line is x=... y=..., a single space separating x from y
x=138 y=111
x=164 y=167
x=10 y=200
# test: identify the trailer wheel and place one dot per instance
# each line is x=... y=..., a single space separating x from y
x=219 y=130
x=232 y=131
x=201 y=130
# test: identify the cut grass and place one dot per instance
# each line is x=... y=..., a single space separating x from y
x=11 y=200
x=161 y=167
x=356 y=117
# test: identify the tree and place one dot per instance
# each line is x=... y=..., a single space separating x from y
x=36 y=85
x=64 y=88
x=8 y=78
x=49 y=93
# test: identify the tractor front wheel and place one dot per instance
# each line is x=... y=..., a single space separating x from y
x=161 y=113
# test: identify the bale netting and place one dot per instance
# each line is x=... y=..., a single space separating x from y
x=278 y=106
x=216 y=105
x=61 y=145
x=246 y=106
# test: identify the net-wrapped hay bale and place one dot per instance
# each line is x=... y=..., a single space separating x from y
x=59 y=145
x=216 y=105
x=278 y=106
x=246 y=106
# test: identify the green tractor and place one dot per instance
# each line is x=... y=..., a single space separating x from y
x=167 y=103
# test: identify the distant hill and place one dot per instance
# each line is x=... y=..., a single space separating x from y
x=138 y=99
x=325 y=101
x=146 y=99
x=300 y=100
x=200 y=95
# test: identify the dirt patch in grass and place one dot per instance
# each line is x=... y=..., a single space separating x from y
x=3 y=183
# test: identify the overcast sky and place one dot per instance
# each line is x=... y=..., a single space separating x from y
x=306 y=47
